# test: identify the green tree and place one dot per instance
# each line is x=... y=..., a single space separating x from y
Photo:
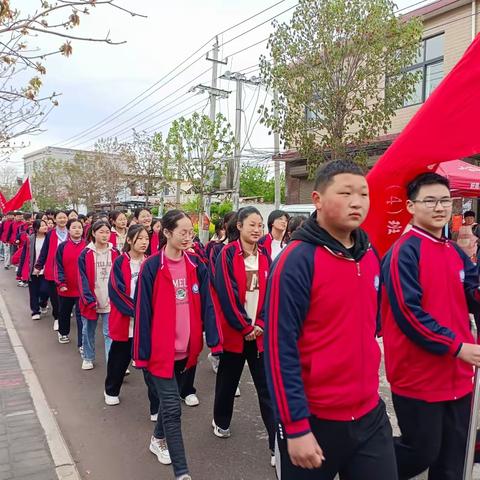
x=49 y=184
x=331 y=61
x=23 y=55
x=198 y=146
x=255 y=181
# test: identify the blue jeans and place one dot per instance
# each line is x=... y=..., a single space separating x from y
x=88 y=336
x=169 y=424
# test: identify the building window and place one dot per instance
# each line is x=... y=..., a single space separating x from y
x=429 y=63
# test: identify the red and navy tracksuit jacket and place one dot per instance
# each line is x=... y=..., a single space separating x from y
x=6 y=230
x=66 y=267
x=266 y=243
x=231 y=287
x=12 y=234
x=27 y=258
x=155 y=315
x=47 y=257
x=321 y=354
x=121 y=303
x=86 y=282
x=429 y=286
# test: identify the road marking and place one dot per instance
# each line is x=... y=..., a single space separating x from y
x=64 y=464
x=17 y=414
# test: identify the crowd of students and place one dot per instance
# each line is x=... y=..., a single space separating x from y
x=303 y=306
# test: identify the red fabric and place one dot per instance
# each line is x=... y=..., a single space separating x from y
x=412 y=370
x=12 y=238
x=52 y=239
x=68 y=277
x=6 y=228
x=16 y=256
x=445 y=128
x=154 y=243
x=464 y=178
x=3 y=202
x=23 y=195
x=266 y=243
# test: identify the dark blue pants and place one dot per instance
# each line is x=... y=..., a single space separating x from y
x=38 y=289
x=65 y=308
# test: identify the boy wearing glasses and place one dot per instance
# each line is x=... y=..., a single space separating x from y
x=430 y=285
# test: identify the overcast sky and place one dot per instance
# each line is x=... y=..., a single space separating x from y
x=99 y=79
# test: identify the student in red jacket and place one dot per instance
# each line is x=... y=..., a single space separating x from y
x=155 y=239
x=66 y=278
x=46 y=260
x=94 y=264
x=37 y=286
x=119 y=222
x=277 y=225
x=6 y=224
x=240 y=282
x=430 y=285
x=322 y=358
x=173 y=307
x=121 y=288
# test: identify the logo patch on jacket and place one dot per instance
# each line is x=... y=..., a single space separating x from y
x=462 y=275
x=195 y=288
x=376 y=282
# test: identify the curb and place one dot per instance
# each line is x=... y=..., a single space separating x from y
x=64 y=464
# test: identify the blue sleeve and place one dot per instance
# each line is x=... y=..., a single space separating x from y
x=117 y=289
x=287 y=304
x=42 y=258
x=400 y=271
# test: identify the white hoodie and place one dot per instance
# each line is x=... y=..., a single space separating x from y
x=103 y=266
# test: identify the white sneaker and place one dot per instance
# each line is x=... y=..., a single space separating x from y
x=36 y=316
x=127 y=372
x=184 y=477
x=214 y=362
x=87 y=365
x=80 y=351
x=154 y=418
x=219 y=432
x=272 y=460
x=19 y=283
x=111 y=400
x=191 y=400
x=43 y=311
x=55 y=325
x=237 y=392
x=63 y=338
x=158 y=446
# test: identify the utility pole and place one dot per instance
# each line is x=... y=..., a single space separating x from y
x=233 y=174
x=213 y=93
x=276 y=152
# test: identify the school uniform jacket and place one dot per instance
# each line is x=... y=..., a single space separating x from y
x=86 y=281
x=155 y=315
x=47 y=257
x=266 y=243
x=121 y=304
x=429 y=286
x=66 y=267
x=27 y=259
x=6 y=230
x=231 y=288
x=12 y=234
x=321 y=354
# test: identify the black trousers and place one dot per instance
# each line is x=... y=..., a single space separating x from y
x=229 y=372
x=356 y=450
x=119 y=359
x=38 y=290
x=53 y=294
x=434 y=436
x=65 y=307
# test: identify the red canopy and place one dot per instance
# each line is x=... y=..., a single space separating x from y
x=464 y=177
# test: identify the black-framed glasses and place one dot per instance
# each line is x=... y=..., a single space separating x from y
x=432 y=203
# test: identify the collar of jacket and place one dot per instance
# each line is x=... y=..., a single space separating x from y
x=190 y=264
x=424 y=233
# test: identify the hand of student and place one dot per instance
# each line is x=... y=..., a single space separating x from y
x=63 y=289
x=251 y=336
x=257 y=331
x=305 y=452
x=470 y=353
x=36 y=271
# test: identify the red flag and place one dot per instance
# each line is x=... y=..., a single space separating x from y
x=3 y=201
x=23 y=195
x=445 y=128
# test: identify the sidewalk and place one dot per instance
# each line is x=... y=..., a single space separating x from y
x=24 y=451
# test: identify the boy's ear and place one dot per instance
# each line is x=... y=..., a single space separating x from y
x=410 y=207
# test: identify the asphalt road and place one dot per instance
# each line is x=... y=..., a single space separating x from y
x=112 y=442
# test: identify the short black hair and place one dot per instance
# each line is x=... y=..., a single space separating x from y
x=413 y=188
x=328 y=171
x=276 y=214
x=469 y=213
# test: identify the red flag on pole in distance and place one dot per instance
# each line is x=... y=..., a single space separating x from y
x=3 y=201
x=445 y=128
x=23 y=195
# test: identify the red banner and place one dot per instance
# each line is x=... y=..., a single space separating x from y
x=445 y=128
x=3 y=201
x=23 y=195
